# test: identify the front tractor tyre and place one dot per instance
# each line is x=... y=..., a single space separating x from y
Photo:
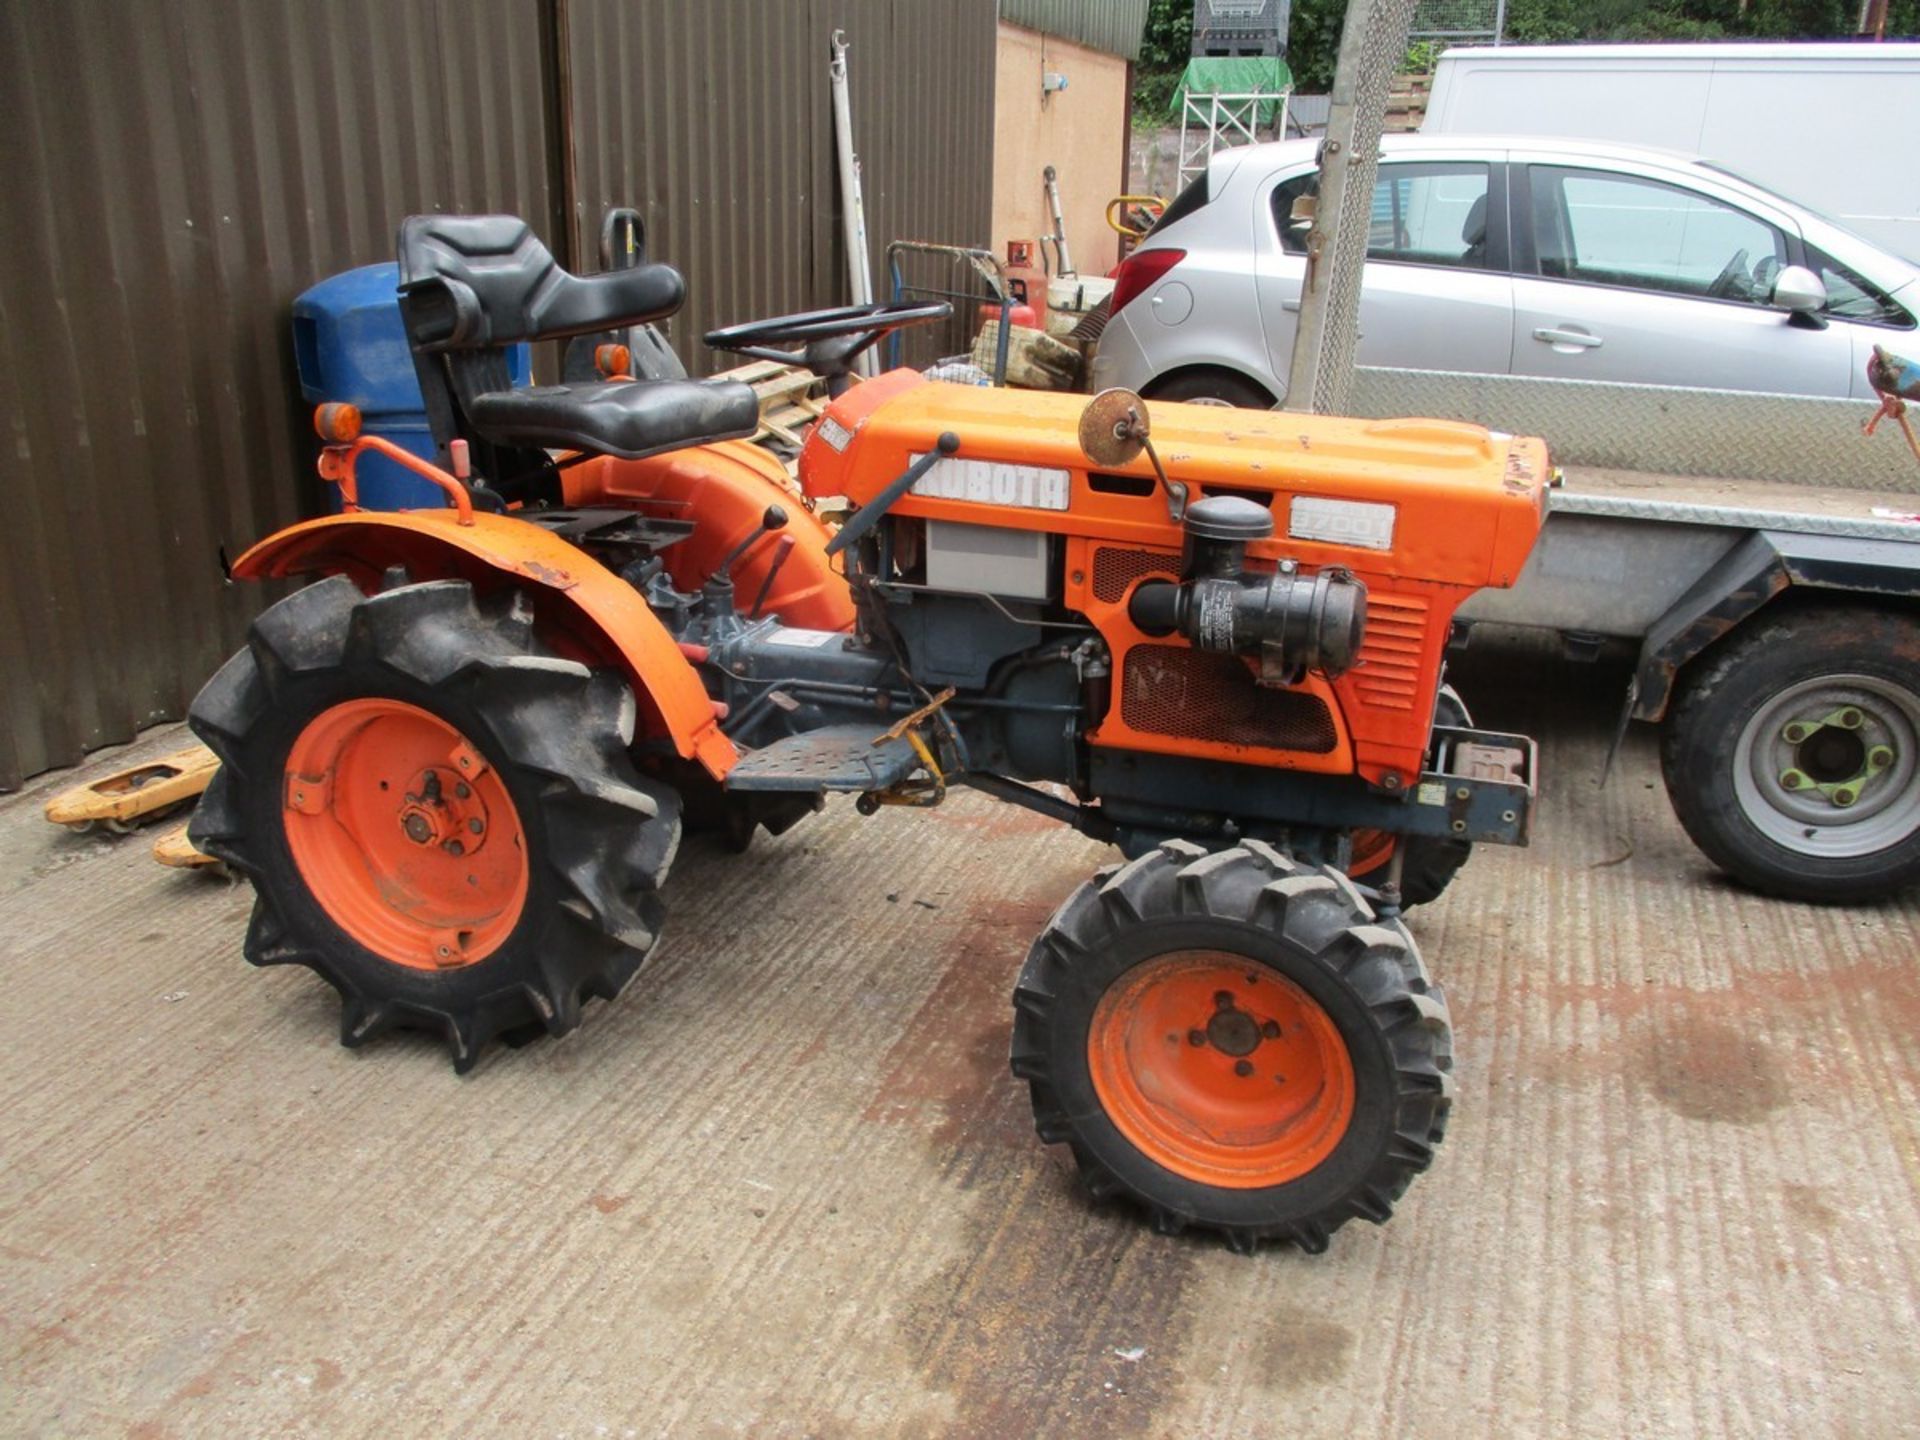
x=439 y=817
x=1792 y=754
x=1234 y=1042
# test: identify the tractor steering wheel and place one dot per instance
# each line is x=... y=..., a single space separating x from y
x=828 y=339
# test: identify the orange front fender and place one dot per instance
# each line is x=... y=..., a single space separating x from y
x=581 y=608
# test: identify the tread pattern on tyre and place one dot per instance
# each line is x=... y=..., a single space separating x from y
x=1325 y=918
x=609 y=835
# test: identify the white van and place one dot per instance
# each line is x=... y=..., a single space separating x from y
x=1832 y=127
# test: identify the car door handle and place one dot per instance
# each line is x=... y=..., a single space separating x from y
x=1568 y=337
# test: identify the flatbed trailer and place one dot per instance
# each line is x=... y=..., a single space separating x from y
x=1764 y=557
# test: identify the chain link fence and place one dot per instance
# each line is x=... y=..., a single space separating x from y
x=1372 y=46
x=1458 y=22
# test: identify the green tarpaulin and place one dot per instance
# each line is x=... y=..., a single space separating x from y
x=1236 y=75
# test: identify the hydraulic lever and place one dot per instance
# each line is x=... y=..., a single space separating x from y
x=870 y=515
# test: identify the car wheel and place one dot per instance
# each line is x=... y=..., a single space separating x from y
x=1213 y=387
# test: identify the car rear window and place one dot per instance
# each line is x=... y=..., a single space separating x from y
x=1185 y=203
x=1424 y=213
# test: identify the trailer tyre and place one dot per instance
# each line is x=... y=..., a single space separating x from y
x=1792 y=755
x=1233 y=1042
x=438 y=817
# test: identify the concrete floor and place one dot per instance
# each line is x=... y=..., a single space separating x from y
x=786 y=1187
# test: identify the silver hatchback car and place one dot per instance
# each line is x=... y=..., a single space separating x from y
x=1506 y=256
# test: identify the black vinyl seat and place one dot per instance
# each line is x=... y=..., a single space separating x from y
x=629 y=419
x=473 y=285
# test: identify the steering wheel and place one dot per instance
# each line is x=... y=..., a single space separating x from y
x=1722 y=287
x=828 y=339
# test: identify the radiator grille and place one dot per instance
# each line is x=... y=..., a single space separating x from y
x=1114 y=570
x=1388 y=676
x=1199 y=695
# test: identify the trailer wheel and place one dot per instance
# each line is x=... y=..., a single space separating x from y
x=1793 y=756
x=438 y=817
x=1232 y=1042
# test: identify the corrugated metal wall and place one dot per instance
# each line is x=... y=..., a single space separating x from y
x=1111 y=25
x=731 y=161
x=178 y=172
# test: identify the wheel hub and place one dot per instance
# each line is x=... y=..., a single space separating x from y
x=1831 y=767
x=441 y=809
x=1233 y=1031
x=388 y=813
x=1833 y=757
x=1221 y=1070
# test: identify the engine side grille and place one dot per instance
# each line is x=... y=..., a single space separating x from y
x=1200 y=695
x=1114 y=570
x=1388 y=676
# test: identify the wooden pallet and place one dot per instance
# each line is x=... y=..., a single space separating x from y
x=788 y=399
x=1407 y=103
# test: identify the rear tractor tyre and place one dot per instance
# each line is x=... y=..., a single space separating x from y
x=1792 y=755
x=1233 y=1042
x=439 y=817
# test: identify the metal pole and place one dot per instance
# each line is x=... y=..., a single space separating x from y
x=1499 y=21
x=1372 y=44
x=1060 y=255
x=853 y=209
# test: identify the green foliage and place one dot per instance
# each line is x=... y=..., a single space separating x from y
x=1164 y=47
x=1313 y=41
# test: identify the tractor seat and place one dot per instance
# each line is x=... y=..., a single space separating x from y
x=629 y=419
x=471 y=285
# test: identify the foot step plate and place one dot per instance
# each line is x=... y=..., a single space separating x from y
x=838 y=757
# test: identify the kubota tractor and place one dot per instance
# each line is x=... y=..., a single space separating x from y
x=456 y=766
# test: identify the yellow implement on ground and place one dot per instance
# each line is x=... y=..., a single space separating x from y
x=137 y=795
x=174 y=849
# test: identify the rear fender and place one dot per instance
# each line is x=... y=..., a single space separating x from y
x=581 y=608
x=728 y=486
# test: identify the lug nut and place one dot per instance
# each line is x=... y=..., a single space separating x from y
x=474 y=826
x=1243 y=1068
x=1196 y=1037
x=460 y=789
x=454 y=847
x=1271 y=1029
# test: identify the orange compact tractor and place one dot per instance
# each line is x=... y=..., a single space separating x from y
x=456 y=767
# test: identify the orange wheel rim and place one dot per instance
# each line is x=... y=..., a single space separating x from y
x=404 y=834
x=1371 y=850
x=1220 y=1070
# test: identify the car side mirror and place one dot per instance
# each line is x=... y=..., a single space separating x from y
x=1798 y=289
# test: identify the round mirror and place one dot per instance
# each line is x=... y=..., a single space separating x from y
x=1113 y=427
